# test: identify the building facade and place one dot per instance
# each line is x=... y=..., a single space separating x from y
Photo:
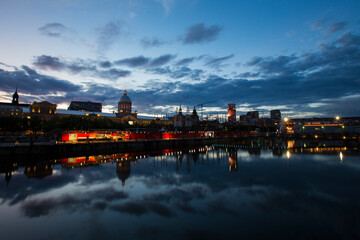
x=85 y=106
x=124 y=106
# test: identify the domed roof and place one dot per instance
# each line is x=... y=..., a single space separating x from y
x=125 y=98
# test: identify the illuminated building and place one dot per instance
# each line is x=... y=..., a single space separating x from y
x=85 y=106
x=124 y=106
x=233 y=160
x=14 y=108
x=275 y=116
x=44 y=107
x=231 y=112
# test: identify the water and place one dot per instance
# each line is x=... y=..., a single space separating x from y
x=200 y=193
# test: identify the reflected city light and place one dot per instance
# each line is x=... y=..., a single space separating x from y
x=341 y=157
x=288 y=154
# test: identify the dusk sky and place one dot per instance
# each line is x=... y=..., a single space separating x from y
x=302 y=57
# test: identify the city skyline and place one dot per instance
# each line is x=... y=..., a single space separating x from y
x=300 y=57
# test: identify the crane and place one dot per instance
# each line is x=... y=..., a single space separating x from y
x=201 y=107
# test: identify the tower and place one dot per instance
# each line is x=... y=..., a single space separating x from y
x=15 y=100
x=124 y=104
x=231 y=113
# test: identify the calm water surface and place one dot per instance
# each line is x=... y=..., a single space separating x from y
x=200 y=193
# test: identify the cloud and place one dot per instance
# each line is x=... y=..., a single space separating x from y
x=30 y=82
x=187 y=61
x=143 y=207
x=162 y=60
x=134 y=61
x=217 y=62
x=335 y=27
x=199 y=33
x=105 y=64
x=108 y=34
x=46 y=62
x=141 y=61
x=153 y=42
x=176 y=73
x=53 y=30
x=166 y=4
x=319 y=24
x=37 y=207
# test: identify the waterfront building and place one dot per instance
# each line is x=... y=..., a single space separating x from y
x=232 y=113
x=44 y=107
x=250 y=118
x=14 y=108
x=85 y=106
x=124 y=106
x=188 y=120
x=275 y=116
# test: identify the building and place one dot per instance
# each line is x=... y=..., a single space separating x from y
x=188 y=120
x=44 y=107
x=14 y=108
x=232 y=113
x=275 y=116
x=250 y=118
x=124 y=106
x=85 y=106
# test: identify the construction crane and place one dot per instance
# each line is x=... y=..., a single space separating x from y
x=201 y=108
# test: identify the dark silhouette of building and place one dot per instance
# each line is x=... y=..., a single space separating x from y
x=232 y=113
x=14 y=108
x=188 y=120
x=15 y=100
x=123 y=171
x=275 y=116
x=85 y=106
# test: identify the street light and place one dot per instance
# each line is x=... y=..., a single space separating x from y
x=286 y=119
x=337 y=118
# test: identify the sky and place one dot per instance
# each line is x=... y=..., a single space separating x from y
x=302 y=57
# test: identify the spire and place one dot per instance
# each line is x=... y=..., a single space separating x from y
x=180 y=110
x=15 y=97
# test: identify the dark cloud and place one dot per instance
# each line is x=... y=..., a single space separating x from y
x=335 y=27
x=217 y=62
x=108 y=34
x=37 y=207
x=153 y=42
x=141 y=61
x=33 y=83
x=134 y=61
x=114 y=73
x=79 y=66
x=53 y=30
x=162 y=60
x=105 y=64
x=199 y=33
x=185 y=61
x=143 y=207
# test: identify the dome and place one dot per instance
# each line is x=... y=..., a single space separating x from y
x=125 y=98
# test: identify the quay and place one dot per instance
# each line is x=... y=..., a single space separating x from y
x=93 y=148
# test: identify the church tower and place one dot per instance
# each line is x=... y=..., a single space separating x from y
x=15 y=100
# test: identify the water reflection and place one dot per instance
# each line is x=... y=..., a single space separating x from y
x=186 y=194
